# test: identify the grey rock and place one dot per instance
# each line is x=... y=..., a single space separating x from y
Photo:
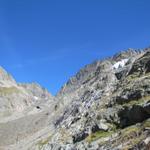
x=105 y=106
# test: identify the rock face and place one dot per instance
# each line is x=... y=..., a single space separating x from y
x=24 y=110
x=105 y=106
x=17 y=97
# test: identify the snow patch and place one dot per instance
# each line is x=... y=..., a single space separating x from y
x=120 y=64
x=36 y=98
x=20 y=108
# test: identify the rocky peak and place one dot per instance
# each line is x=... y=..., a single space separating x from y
x=4 y=76
x=142 y=64
x=81 y=76
x=17 y=97
x=36 y=90
x=126 y=54
x=115 y=62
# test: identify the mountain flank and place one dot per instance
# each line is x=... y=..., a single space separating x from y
x=105 y=106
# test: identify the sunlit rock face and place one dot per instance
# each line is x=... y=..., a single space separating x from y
x=105 y=106
x=16 y=97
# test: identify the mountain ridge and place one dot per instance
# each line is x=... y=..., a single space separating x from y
x=106 y=105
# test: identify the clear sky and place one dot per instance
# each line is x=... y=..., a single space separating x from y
x=48 y=41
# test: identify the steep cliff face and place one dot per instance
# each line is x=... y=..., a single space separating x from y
x=105 y=106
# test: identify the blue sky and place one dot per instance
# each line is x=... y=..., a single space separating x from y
x=48 y=41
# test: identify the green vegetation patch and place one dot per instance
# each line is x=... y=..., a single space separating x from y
x=5 y=114
x=8 y=90
x=43 y=142
x=146 y=124
x=137 y=76
x=129 y=130
x=132 y=136
x=97 y=135
x=137 y=102
x=132 y=142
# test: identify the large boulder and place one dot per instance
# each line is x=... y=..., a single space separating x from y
x=134 y=114
x=141 y=65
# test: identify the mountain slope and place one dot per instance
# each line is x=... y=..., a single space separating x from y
x=105 y=106
x=24 y=110
x=107 y=101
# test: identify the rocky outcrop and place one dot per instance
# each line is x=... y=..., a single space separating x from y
x=103 y=100
x=134 y=114
x=141 y=65
x=5 y=77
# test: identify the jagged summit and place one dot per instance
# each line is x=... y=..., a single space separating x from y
x=17 y=97
x=117 y=61
x=4 y=76
x=127 y=54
